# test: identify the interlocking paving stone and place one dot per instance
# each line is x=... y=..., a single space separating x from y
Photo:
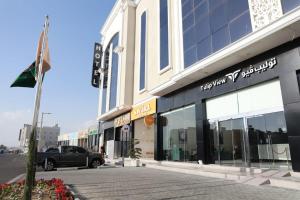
x=144 y=183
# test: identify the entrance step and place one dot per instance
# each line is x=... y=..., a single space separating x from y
x=198 y=171
x=210 y=167
x=257 y=181
x=289 y=183
x=283 y=179
x=250 y=176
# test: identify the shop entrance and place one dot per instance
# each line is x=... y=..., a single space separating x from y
x=247 y=127
x=231 y=141
x=258 y=141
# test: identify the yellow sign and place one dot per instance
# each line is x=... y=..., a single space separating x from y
x=143 y=110
x=149 y=120
x=122 y=120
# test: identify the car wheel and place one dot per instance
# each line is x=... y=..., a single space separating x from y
x=96 y=163
x=49 y=166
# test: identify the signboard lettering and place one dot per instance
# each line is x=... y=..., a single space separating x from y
x=144 y=109
x=233 y=76
x=122 y=120
x=96 y=65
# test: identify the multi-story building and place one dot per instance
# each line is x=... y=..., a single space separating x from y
x=47 y=137
x=213 y=81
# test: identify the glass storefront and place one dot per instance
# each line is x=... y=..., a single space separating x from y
x=259 y=140
x=257 y=137
x=179 y=135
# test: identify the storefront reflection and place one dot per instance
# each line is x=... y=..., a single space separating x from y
x=267 y=144
x=179 y=135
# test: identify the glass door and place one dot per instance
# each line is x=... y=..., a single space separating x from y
x=231 y=142
x=268 y=141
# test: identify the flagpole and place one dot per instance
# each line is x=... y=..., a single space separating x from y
x=31 y=157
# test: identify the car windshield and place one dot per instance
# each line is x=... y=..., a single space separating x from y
x=52 y=150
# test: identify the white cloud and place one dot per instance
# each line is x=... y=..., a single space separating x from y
x=10 y=124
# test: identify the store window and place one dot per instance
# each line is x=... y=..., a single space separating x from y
x=179 y=134
x=288 y=5
x=142 y=51
x=251 y=129
x=256 y=98
x=164 y=37
x=210 y=25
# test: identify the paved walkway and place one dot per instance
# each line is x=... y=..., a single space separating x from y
x=11 y=165
x=143 y=183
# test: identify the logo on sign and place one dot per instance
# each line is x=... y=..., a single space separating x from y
x=233 y=76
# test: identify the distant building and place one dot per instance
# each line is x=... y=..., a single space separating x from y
x=46 y=138
x=87 y=138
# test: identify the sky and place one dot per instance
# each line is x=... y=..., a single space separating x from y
x=67 y=93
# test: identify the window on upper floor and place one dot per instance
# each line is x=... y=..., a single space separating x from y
x=298 y=78
x=105 y=78
x=288 y=5
x=164 y=37
x=142 y=52
x=114 y=73
x=111 y=63
x=210 y=25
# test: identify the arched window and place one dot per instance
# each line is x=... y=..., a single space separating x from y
x=111 y=62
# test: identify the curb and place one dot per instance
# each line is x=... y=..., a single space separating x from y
x=15 y=179
x=76 y=196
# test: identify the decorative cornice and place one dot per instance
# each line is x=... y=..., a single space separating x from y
x=263 y=12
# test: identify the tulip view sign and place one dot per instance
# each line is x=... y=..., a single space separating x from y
x=244 y=73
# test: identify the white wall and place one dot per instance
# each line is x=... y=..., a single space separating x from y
x=259 y=97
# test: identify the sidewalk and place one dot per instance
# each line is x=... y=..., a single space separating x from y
x=250 y=176
x=147 y=183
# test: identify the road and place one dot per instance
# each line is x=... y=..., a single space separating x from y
x=145 y=183
x=11 y=165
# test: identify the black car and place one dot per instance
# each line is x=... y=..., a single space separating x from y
x=68 y=156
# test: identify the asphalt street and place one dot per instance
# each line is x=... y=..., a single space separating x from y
x=144 y=183
x=11 y=165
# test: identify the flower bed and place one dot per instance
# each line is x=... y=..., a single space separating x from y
x=43 y=190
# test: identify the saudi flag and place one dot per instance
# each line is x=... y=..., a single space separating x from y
x=29 y=76
x=26 y=78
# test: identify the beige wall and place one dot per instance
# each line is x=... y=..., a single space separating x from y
x=154 y=77
x=127 y=61
x=146 y=137
x=121 y=20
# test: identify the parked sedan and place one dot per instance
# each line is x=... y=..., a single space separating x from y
x=68 y=156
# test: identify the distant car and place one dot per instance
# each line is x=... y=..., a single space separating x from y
x=68 y=156
x=1 y=151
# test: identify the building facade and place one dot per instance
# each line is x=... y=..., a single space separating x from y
x=47 y=137
x=224 y=76
x=88 y=138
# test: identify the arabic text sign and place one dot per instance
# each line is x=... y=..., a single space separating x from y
x=267 y=65
x=122 y=120
x=144 y=109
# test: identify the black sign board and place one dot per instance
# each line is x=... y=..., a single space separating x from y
x=96 y=65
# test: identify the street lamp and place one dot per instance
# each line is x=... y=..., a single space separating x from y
x=43 y=113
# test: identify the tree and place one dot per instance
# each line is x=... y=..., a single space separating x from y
x=3 y=147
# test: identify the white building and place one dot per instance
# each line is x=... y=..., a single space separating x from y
x=46 y=138
x=213 y=81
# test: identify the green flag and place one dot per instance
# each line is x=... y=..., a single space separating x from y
x=26 y=78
